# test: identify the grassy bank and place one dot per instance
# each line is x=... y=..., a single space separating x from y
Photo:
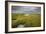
x=31 y=20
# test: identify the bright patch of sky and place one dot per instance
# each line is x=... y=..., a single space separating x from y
x=26 y=9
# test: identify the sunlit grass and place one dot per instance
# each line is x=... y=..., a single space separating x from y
x=28 y=20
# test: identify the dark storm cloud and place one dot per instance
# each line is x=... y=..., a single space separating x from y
x=26 y=9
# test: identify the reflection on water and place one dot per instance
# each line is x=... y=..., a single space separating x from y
x=20 y=26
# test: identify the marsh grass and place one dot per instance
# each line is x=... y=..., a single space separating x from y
x=32 y=20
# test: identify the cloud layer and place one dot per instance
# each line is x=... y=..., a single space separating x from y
x=26 y=9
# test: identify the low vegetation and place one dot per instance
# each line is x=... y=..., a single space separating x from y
x=32 y=20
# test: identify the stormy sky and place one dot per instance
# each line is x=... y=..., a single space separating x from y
x=26 y=9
